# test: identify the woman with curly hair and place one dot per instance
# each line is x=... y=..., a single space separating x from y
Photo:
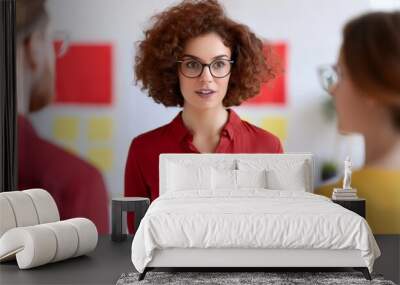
x=196 y=58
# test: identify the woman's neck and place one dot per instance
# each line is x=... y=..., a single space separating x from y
x=207 y=122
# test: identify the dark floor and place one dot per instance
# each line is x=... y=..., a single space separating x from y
x=389 y=262
x=106 y=264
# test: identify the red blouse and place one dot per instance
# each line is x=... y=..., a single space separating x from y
x=141 y=170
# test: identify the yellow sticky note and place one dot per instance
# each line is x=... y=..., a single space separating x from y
x=101 y=157
x=275 y=125
x=66 y=128
x=99 y=129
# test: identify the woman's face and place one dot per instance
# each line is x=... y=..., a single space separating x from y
x=205 y=91
x=352 y=107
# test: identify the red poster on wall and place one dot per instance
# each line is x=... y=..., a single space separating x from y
x=84 y=75
x=274 y=92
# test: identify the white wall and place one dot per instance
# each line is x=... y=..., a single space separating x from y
x=312 y=30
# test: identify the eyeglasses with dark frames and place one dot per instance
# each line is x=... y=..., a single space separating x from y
x=192 y=68
x=329 y=76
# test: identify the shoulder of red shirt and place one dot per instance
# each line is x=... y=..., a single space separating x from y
x=263 y=136
x=142 y=141
x=56 y=161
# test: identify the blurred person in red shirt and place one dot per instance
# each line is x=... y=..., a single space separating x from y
x=76 y=186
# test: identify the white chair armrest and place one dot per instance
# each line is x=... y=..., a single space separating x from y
x=7 y=218
x=33 y=246
x=26 y=208
x=40 y=244
x=45 y=206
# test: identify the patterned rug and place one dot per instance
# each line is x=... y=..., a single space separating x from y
x=243 y=278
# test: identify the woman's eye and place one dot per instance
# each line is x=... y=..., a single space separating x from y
x=219 y=64
x=192 y=64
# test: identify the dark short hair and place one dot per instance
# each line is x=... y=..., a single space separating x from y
x=371 y=52
x=163 y=44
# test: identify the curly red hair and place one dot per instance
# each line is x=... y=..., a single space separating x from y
x=157 y=54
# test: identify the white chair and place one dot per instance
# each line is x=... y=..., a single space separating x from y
x=31 y=231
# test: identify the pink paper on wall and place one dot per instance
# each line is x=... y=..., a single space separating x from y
x=84 y=75
x=274 y=92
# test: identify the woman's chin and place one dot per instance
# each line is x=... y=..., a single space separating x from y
x=205 y=105
x=345 y=130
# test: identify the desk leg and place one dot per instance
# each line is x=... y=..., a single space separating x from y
x=116 y=230
x=140 y=211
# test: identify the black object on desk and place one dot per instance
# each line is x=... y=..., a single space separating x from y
x=356 y=205
x=138 y=205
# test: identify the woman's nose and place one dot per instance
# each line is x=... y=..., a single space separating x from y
x=206 y=74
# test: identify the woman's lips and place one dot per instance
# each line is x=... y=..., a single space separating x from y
x=205 y=93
